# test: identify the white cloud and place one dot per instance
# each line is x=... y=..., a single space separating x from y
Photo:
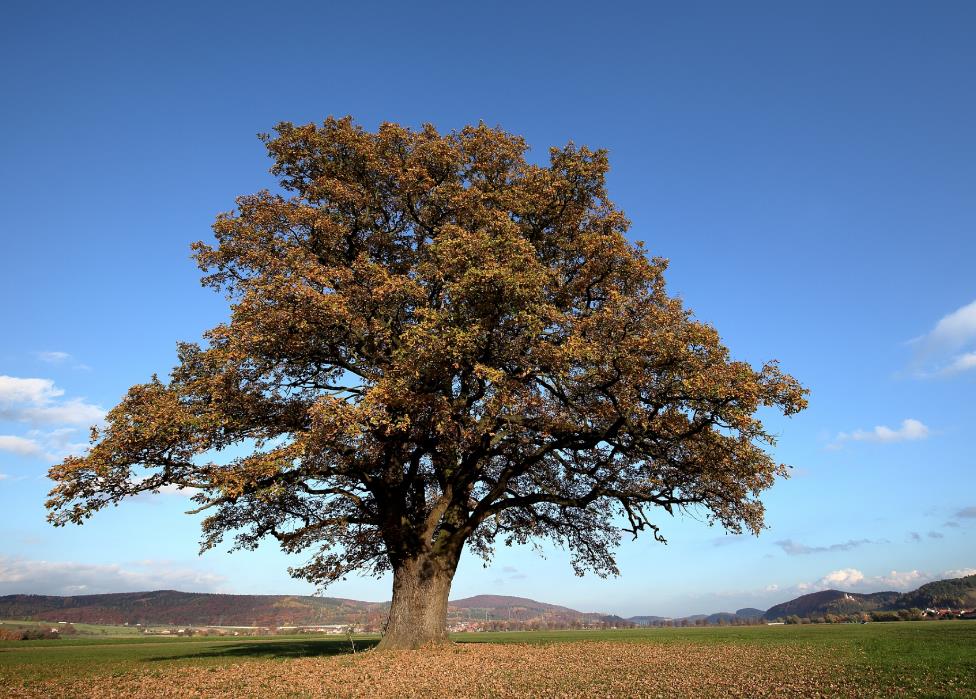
x=963 y=362
x=4 y=476
x=170 y=489
x=905 y=580
x=910 y=430
x=852 y=579
x=20 y=445
x=52 y=446
x=960 y=573
x=795 y=548
x=949 y=347
x=173 y=489
x=61 y=442
x=845 y=576
x=34 y=391
x=38 y=402
x=69 y=578
x=71 y=412
x=952 y=331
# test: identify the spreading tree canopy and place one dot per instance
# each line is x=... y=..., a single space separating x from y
x=434 y=343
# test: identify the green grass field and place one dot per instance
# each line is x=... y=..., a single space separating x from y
x=906 y=655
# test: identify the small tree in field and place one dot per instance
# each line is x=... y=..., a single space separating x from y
x=434 y=344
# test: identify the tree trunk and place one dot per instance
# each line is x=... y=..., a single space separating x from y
x=418 y=613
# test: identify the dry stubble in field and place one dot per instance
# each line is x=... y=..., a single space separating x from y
x=592 y=669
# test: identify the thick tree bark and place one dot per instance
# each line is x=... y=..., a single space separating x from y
x=418 y=613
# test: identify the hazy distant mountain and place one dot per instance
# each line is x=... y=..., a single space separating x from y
x=646 y=620
x=956 y=593
x=720 y=618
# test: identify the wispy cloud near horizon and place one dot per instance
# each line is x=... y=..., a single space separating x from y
x=852 y=579
x=794 y=548
x=25 y=576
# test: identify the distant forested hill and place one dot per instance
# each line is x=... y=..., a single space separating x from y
x=194 y=608
x=172 y=607
x=191 y=608
x=954 y=593
x=504 y=603
x=832 y=602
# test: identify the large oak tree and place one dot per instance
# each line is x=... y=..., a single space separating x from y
x=434 y=343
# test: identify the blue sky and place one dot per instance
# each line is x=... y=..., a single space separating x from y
x=808 y=168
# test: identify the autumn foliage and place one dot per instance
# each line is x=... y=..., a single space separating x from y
x=577 y=669
x=433 y=344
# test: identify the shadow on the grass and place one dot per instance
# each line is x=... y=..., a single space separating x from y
x=276 y=649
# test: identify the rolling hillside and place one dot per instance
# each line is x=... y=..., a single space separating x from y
x=172 y=607
x=955 y=593
x=190 y=608
x=502 y=607
x=832 y=602
x=504 y=602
